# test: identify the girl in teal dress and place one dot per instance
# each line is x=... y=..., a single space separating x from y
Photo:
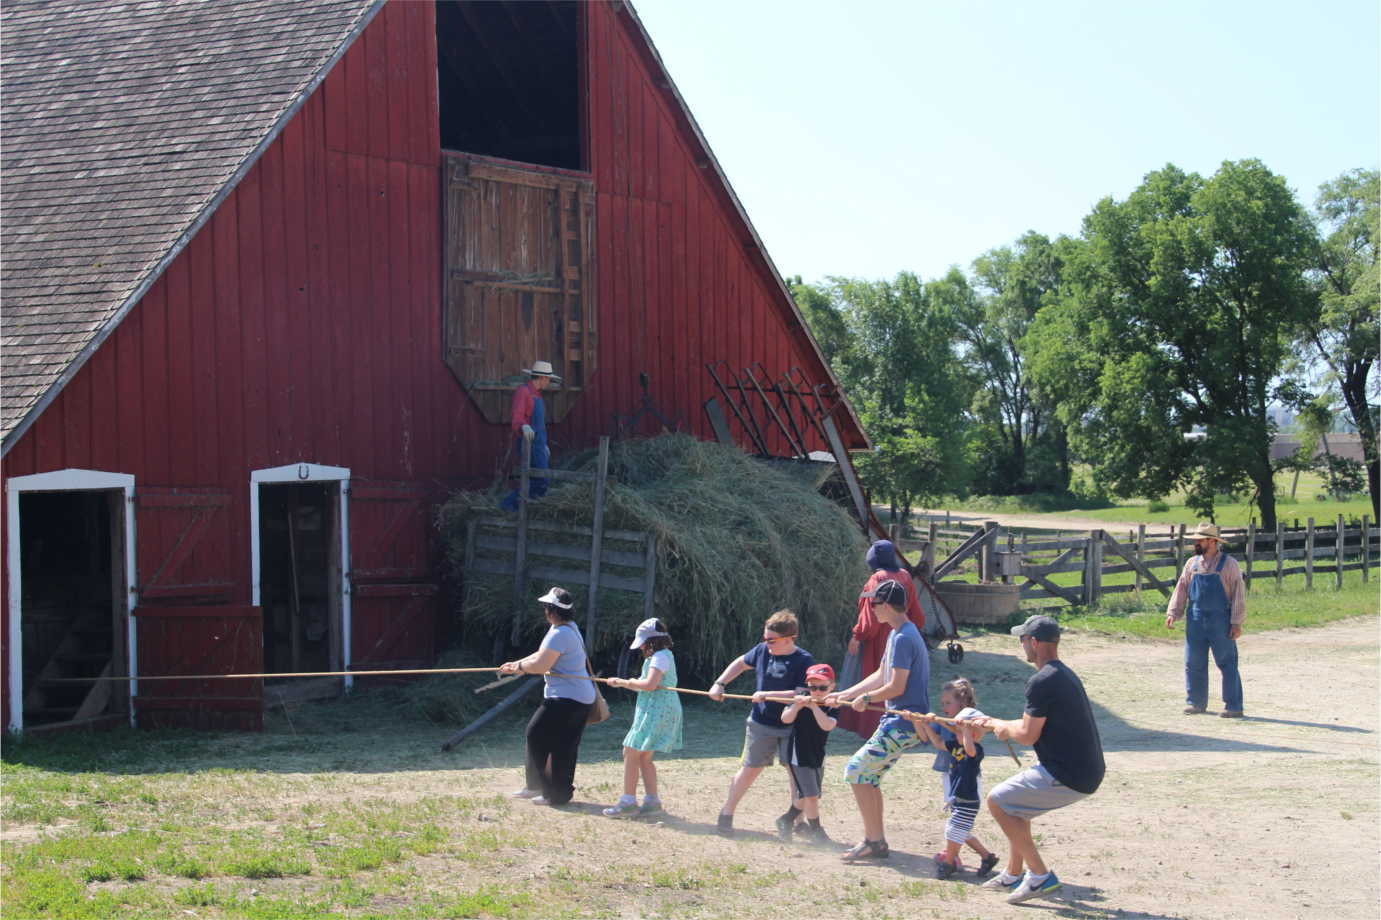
x=656 y=720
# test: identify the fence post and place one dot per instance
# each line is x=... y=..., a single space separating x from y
x=1280 y=552
x=929 y=555
x=1339 y=548
x=1093 y=569
x=1309 y=554
x=894 y=534
x=1179 y=549
x=1140 y=556
x=987 y=554
x=1251 y=552
x=596 y=543
x=1366 y=548
x=520 y=553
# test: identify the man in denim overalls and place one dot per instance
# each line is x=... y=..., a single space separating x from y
x=1211 y=586
x=528 y=421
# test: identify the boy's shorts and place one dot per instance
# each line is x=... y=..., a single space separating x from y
x=806 y=781
x=763 y=742
x=1032 y=793
x=879 y=753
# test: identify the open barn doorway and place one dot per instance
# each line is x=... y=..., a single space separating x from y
x=71 y=589
x=299 y=588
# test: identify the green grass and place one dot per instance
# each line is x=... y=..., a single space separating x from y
x=1292 y=607
x=1309 y=501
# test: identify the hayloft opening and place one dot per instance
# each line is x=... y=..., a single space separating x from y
x=72 y=613
x=509 y=79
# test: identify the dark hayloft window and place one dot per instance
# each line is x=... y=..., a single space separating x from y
x=509 y=79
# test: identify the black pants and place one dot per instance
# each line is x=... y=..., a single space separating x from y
x=554 y=731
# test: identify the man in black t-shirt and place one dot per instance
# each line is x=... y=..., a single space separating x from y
x=1058 y=723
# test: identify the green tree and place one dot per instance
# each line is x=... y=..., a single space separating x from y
x=1177 y=316
x=892 y=351
x=1011 y=284
x=825 y=321
x=1344 y=333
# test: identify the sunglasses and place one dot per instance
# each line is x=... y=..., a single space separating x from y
x=771 y=639
x=813 y=687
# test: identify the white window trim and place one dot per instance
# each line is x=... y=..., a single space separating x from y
x=307 y=472
x=69 y=480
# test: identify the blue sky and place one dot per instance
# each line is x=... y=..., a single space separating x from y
x=873 y=137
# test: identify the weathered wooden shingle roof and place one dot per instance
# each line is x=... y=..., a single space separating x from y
x=123 y=126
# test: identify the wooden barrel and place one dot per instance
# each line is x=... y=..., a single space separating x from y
x=980 y=605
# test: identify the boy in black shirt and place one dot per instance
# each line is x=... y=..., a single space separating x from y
x=805 y=759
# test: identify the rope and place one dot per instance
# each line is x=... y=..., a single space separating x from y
x=285 y=674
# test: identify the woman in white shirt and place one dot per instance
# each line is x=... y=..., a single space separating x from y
x=553 y=733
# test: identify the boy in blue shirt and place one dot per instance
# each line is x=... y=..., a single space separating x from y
x=902 y=682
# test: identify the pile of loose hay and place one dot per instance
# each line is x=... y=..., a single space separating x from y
x=736 y=540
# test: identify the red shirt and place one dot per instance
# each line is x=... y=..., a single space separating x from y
x=523 y=398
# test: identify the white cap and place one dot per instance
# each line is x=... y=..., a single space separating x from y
x=557 y=597
x=647 y=629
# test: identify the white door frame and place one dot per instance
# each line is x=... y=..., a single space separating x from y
x=69 y=480
x=297 y=473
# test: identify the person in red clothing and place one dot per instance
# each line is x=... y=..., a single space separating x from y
x=869 y=635
x=528 y=421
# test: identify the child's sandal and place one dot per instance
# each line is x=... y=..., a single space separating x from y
x=868 y=849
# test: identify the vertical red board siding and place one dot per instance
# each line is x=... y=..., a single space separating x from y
x=253 y=354
x=280 y=443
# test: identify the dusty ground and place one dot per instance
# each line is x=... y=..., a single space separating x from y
x=1199 y=817
x=1274 y=816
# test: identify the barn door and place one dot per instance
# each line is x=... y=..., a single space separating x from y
x=519 y=281
x=393 y=581
x=187 y=621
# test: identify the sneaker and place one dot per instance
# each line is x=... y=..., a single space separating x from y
x=1026 y=891
x=943 y=867
x=986 y=866
x=649 y=808
x=815 y=836
x=1230 y=714
x=725 y=826
x=1193 y=710
x=525 y=794
x=786 y=826
x=997 y=884
x=622 y=810
x=540 y=800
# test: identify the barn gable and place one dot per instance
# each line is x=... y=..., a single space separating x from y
x=227 y=448
x=125 y=127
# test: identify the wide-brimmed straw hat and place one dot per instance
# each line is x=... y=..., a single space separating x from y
x=1205 y=531
x=541 y=369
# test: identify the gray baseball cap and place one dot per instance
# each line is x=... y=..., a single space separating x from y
x=1038 y=627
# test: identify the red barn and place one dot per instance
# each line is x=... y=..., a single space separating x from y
x=270 y=270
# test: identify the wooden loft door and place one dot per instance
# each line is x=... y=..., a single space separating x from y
x=519 y=281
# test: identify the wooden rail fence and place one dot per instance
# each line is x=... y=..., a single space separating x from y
x=1153 y=561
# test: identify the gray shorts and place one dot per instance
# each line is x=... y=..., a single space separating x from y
x=805 y=781
x=763 y=742
x=1032 y=793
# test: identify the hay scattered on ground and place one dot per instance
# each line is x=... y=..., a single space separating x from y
x=736 y=539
